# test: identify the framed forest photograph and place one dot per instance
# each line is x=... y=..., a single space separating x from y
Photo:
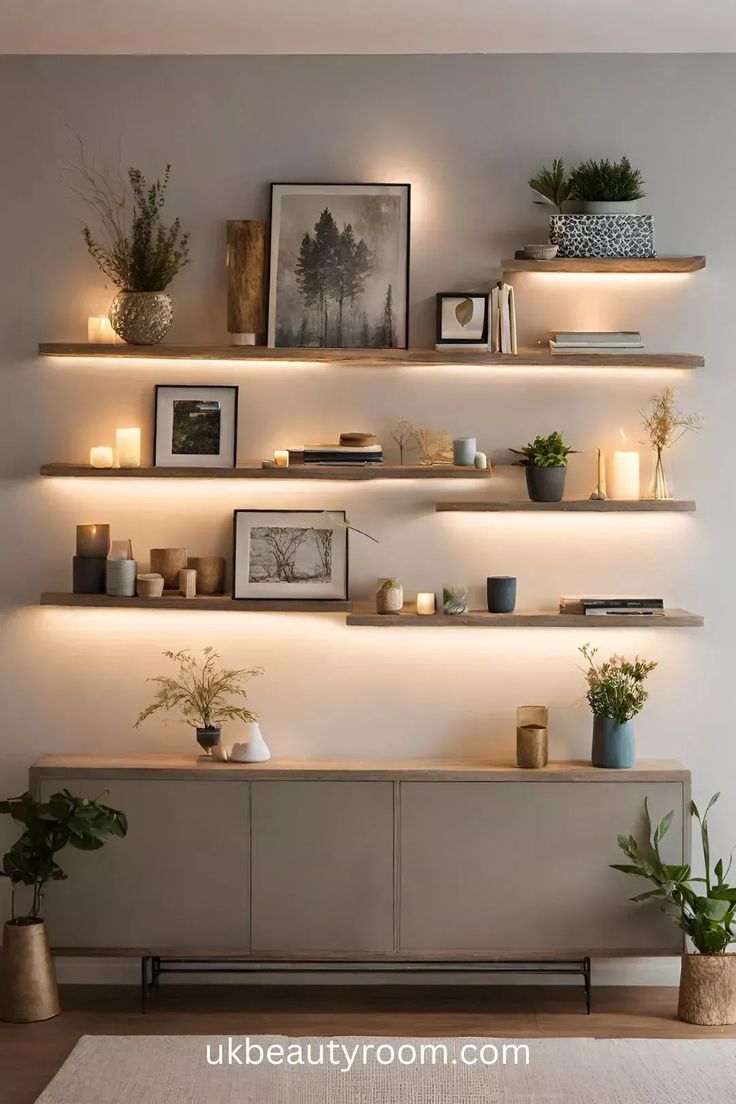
x=339 y=266
x=195 y=427
x=299 y=554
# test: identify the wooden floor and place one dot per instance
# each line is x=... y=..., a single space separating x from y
x=30 y=1054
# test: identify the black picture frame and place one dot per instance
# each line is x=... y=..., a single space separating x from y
x=403 y=343
x=287 y=598
x=191 y=460
x=456 y=340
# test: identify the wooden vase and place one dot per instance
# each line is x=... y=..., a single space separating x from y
x=246 y=268
x=210 y=573
x=168 y=562
x=707 y=989
x=28 y=990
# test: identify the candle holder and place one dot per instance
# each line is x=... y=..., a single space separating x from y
x=93 y=541
x=168 y=562
x=88 y=574
x=426 y=604
x=210 y=573
x=532 y=736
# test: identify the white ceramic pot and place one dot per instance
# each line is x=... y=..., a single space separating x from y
x=255 y=750
x=609 y=207
x=120 y=578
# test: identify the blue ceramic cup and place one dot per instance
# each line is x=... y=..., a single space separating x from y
x=501 y=592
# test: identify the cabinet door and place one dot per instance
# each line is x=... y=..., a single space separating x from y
x=322 y=867
x=524 y=866
x=179 y=879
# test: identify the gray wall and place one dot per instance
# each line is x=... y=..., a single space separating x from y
x=467 y=132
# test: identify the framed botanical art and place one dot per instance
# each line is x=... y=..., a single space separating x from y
x=195 y=427
x=339 y=266
x=462 y=319
x=290 y=554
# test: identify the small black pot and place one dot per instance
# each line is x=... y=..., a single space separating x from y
x=209 y=737
x=545 y=484
x=501 y=593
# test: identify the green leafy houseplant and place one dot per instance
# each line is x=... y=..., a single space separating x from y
x=544 y=452
x=551 y=185
x=705 y=915
x=616 y=687
x=606 y=181
x=201 y=692
x=49 y=826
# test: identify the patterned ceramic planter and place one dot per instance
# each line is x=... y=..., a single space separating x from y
x=586 y=235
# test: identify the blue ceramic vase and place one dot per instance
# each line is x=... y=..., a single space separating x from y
x=613 y=743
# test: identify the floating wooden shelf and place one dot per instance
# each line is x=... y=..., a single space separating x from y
x=255 y=471
x=606 y=264
x=378 y=358
x=571 y=505
x=673 y=618
x=176 y=602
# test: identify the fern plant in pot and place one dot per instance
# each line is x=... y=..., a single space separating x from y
x=28 y=990
x=606 y=187
x=545 y=464
x=703 y=907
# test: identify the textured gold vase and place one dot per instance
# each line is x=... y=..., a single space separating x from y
x=532 y=736
x=708 y=989
x=28 y=990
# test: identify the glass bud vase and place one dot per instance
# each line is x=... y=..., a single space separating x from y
x=454 y=599
x=660 y=485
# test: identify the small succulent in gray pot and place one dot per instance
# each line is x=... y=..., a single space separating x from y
x=139 y=253
x=545 y=463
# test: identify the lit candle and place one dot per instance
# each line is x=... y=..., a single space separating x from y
x=425 y=604
x=128 y=448
x=281 y=456
x=93 y=541
x=101 y=456
x=623 y=476
x=100 y=331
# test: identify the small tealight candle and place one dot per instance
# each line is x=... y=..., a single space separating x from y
x=93 y=541
x=100 y=331
x=128 y=448
x=281 y=456
x=101 y=456
x=425 y=604
x=623 y=476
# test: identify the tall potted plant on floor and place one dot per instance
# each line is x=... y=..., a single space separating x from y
x=702 y=907
x=28 y=990
x=616 y=694
x=545 y=463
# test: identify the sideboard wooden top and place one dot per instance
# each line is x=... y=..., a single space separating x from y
x=152 y=766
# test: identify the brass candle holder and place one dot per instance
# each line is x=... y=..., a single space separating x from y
x=532 y=736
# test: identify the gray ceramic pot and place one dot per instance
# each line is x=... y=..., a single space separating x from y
x=209 y=737
x=141 y=317
x=613 y=743
x=545 y=484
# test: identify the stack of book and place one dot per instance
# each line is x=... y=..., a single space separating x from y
x=337 y=455
x=595 y=341
x=502 y=320
x=603 y=606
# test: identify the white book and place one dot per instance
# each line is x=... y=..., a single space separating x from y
x=596 y=337
x=337 y=448
x=601 y=350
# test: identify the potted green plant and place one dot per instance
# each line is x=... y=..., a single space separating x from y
x=201 y=693
x=551 y=186
x=616 y=694
x=606 y=187
x=138 y=252
x=545 y=463
x=28 y=990
x=702 y=907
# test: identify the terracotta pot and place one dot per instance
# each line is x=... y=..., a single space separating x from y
x=708 y=989
x=28 y=990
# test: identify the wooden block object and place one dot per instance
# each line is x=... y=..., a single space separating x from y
x=188 y=582
x=168 y=562
x=246 y=268
x=210 y=573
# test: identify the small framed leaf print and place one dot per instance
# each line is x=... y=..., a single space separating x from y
x=462 y=319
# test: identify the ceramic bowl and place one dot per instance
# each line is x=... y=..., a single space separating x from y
x=540 y=252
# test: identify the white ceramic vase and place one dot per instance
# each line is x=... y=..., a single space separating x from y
x=255 y=750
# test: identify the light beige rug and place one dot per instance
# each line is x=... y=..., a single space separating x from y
x=197 y=1069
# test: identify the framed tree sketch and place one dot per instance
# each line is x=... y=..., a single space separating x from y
x=339 y=266
x=195 y=427
x=299 y=554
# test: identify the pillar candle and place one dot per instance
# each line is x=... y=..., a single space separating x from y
x=101 y=456
x=100 y=331
x=128 y=448
x=281 y=457
x=425 y=604
x=93 y=541
x=623 y=476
